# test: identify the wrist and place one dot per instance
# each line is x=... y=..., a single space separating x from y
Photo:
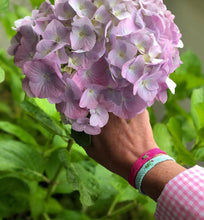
x=131 y=158
x=156 y=179
x=143 y=164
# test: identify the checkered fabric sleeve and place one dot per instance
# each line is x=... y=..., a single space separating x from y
x=183 y=197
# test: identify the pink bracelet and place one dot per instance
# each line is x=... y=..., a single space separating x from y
x=140 y=162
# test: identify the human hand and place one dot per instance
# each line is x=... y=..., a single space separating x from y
x=121 y=143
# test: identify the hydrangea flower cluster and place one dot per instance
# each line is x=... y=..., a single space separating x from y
x=92 y=57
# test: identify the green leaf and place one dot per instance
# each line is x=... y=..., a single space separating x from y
x=21 y=11
x=73 y=215
x=20 y=160
x=150 y=206
x=125 y=191
x=8 y=20
x=163 y=138
x=199 y=153
x=57 y=143
x=39 y=204
x=36 y=129
x=183 y=155
x=81 y=138
x=64 y=186
x=191 y=64
x=18 y=132
x=188 y=75
x=79 y=150
x=105 y=178
x=200 y=134
x=52 y=206
x=4 y=5
x=197 y=107
x=13 y=77
x=48 y=108
x=81 y=180
x=53 y=163
x=52 y=166
x=13 y=196
x=38 y=114
x=2 y=75
x=190 y=81
x=37 y=199
x=5 y=108
x=36 y=3
x=85 y=182
x=188 y=128
x=5 y=137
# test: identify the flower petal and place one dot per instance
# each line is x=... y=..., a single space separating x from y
x=133 y=69
x=83 y=37
x=89 y=99
x=171 y=84
x=83 y=8
x=121 y=53
x=44 y=78
x=99 y=117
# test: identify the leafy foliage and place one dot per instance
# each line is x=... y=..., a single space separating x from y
x=44 y=174
x=4 y=4
x=2 y=75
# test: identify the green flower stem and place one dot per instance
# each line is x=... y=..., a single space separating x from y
x=70 y=143
x=112 y=207
x=46 y=216
x=121 y=211
x=53 y=181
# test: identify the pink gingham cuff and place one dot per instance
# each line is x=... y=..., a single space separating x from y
x=183 y=197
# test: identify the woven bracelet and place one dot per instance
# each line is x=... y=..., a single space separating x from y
x=147 y=167
x=141 y=161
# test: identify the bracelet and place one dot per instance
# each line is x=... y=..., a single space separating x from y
x=140 y=162
x=147 y=167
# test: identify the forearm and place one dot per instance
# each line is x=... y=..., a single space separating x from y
x=156 y=179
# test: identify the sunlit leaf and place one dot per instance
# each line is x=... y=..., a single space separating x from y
x=163 y=138
x=48 y=108
x=183 y=155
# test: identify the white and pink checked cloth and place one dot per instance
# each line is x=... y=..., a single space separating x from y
x=183 y=197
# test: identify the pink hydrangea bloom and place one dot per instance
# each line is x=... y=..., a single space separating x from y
x=92 y=57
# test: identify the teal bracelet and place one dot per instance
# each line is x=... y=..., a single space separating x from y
x=147 y=167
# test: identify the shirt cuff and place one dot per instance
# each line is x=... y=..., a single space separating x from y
x=183 y=197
